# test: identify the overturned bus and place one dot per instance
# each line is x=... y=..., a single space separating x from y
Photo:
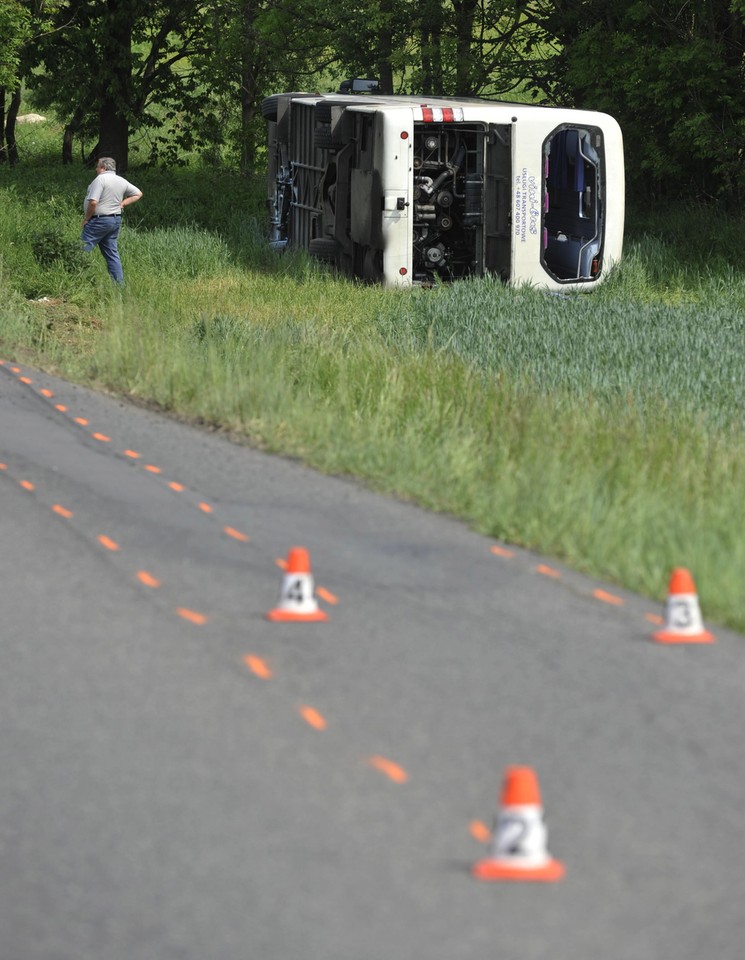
x=407 y=190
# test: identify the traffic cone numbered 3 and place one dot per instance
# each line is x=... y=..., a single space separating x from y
x=520 y=836
x=297 y=599
x=683 y=621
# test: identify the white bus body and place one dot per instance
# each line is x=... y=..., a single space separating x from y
x=409 y=190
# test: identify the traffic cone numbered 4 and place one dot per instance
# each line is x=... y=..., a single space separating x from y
x=683 y=622
x=520 y=836
x=297 y=600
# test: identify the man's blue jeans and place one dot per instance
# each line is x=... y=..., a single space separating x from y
x=102 y=232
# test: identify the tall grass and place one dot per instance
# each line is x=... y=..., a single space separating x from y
x=605 y=429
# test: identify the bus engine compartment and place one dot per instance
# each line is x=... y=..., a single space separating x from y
x=447 y=201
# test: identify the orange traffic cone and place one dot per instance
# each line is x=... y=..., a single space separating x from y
x=297 y=601
x=519 y=841
x=683 y=623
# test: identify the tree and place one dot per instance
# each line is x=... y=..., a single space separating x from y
x=15 y=29
x=248 y=45
x=437 y=47
x=672 y=73
x=121 y=66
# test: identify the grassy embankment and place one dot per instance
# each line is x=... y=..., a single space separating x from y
x=604 y=429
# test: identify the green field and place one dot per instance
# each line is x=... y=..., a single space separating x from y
x=605 y=429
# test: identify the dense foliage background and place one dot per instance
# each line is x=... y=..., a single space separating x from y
x=164 y=77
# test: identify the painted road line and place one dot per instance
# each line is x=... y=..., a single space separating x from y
x=327 y=595
x=148 y=579
x=608 y=597
x=258 y=667
x=235 y=534
x=193 y=616
x=479 y=831
x=313 y=718
x=390 y=769
x=501 y=552
x=108 y=543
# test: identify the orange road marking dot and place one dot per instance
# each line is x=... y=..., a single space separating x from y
x=390 y=769
x=313 y=718
x=479 y=831
x=205 y=507
x=132 y=453
x=178 y=487
x=25 y=380
x=3 y=466
x=235 y=534
x=281 y=563
x=61 y=407
x=257 y=666
x=148 y=579
x=654 y=618
x=108 y=543
x=192 y=616
x=547 y=571
x=82 y=421
x=16 y=369
x=62 y=511
x=326 y=595
x=46 y=393
x=27 y=485
x=102 y=437
x=152 y=469
x=607 y=597
x=501 y=551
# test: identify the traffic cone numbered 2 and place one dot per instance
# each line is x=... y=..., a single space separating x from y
x=297 y=599
x=520 y=835
x=683 y=621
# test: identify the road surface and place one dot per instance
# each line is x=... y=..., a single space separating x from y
x=184 y=780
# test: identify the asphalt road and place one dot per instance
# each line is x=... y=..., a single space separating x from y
x=183 y=780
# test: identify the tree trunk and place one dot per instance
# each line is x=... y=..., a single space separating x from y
x=465 y=13
x=113 y=134
x=431 y=46
x=385 y=48
x=116 y=95
x=70 y=130
x=3 y=154
x=10 y=126
x=248 y=86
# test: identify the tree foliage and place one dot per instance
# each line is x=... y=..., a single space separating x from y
x=173 y=75
x=671 y=72
x=15 y=30
x=122 y=66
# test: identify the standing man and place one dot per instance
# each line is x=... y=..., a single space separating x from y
x=102 y=209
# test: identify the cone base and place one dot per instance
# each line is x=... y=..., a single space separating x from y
x=495 y=870
x=668 y=636
x=278 y=614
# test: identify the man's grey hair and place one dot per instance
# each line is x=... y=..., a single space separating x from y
x=108 y=163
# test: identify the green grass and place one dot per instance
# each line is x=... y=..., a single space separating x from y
x=603 y=429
